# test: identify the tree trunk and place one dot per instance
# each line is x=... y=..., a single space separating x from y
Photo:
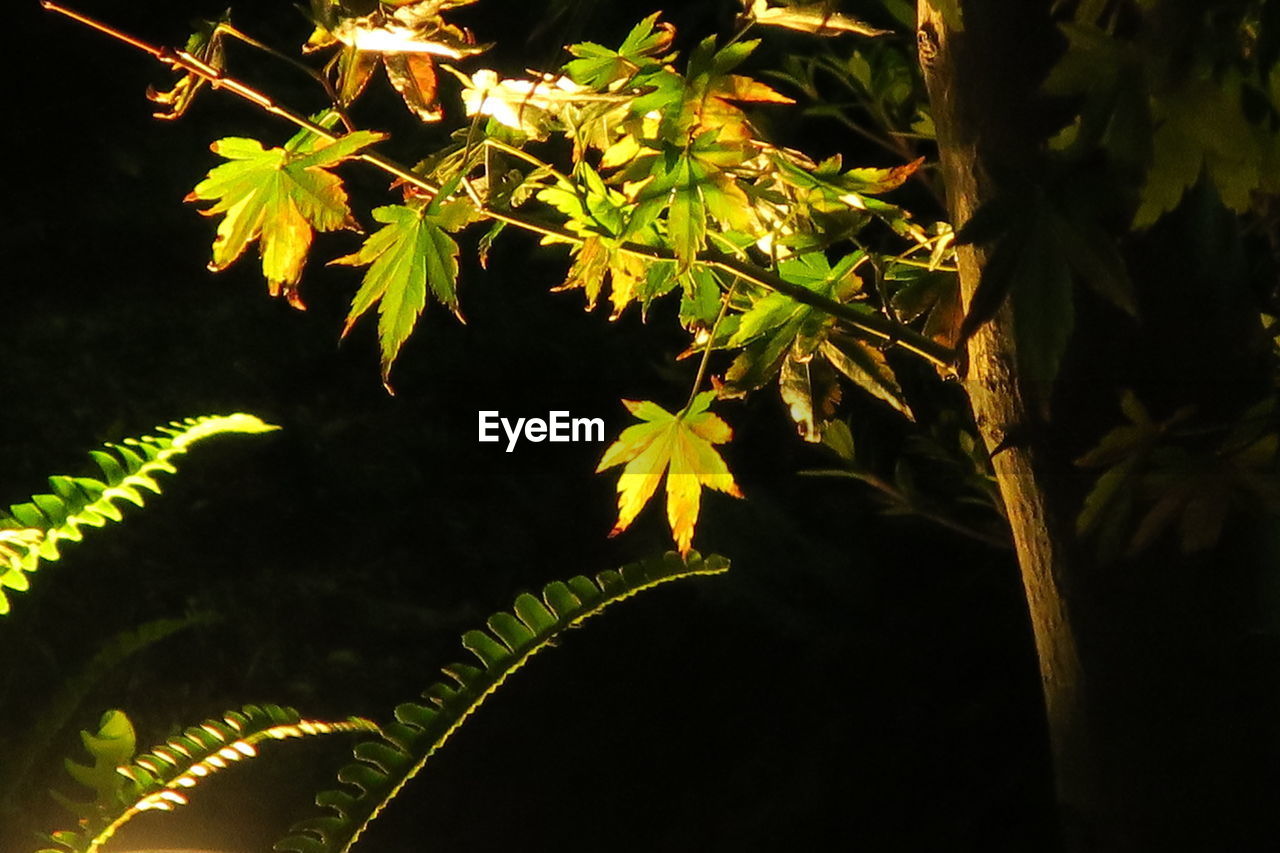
x=1150 y=735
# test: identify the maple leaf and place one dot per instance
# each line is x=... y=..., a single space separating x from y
x=932 y=294
x=1203 y=130
x=277 y=197
x=781 y=337
x=691 y=187
x=411 y=253
x=403 y=36
x=596 y=212
x=816 y=18
x=681 y=446
x=1150 y=484
x=599 y=66
x=205 y=44
x=711 y=94
x=525 y=105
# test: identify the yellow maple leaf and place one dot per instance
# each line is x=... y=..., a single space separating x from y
x=681 y=446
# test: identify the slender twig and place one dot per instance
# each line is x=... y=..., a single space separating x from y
x=711 y=342
x=318 y=76
x=895 y=495
x=499 y=145
x=923 y=265
x=866 y=323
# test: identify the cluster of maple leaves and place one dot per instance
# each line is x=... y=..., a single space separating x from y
x=664 y=169
x=646 y=165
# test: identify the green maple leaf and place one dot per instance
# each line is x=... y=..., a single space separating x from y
x=1204 y=130
x=598 y=66
x=681 y=446
x=782 y=336
x=278 y=197
x=695 y=190
x=596 y=213
x=1045 y=243
x=409 y=254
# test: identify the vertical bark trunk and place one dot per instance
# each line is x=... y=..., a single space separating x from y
x=1158 y=743
x=981 y=85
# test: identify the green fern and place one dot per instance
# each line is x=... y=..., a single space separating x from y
x=385 y=765
x=56 y=714
x=126 y=786
x=31 y=532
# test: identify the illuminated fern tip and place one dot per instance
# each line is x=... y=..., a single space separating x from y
x=384 y=765
x=31 y=532
x=162 y=778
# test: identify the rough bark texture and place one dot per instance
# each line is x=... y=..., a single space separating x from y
x=1143 y=667
x=976 y=87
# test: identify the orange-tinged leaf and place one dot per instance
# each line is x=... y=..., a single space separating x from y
x=414 y=76
x=679 y=446
x=205 y=44
x=817 y=18
x=355 y=67
x=600 y=259
x=736 y=87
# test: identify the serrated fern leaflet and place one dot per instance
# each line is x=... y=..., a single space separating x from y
x=127 y=786
x=31 y=532
x=385 y=765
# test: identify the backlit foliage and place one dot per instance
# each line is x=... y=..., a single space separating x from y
x=647 y=164
x=680 y=447
x=509 y=639
x=648 y=167
x=125 y=784
x=32 y=532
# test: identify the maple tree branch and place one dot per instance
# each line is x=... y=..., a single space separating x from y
x=868 y=323
x=318 y=76
x=895 y=495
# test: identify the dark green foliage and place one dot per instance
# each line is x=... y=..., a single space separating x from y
x=57 y=713
x=1158 y=475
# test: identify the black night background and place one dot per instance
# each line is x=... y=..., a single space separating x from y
x=854 y=682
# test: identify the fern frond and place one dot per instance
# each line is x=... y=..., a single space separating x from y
x=160 y=779
x=31 y=532
x=57 y=713
x=383 y=766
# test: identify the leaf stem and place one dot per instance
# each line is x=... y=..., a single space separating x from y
x=711 y=340
x=319 y=77
x=499 y=145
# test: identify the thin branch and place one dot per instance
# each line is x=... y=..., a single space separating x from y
x=318 y=76
x=865 y=322
x=711 y=341
x=499 y=145
x=895 y=495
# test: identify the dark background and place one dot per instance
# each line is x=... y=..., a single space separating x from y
x=855 y=682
